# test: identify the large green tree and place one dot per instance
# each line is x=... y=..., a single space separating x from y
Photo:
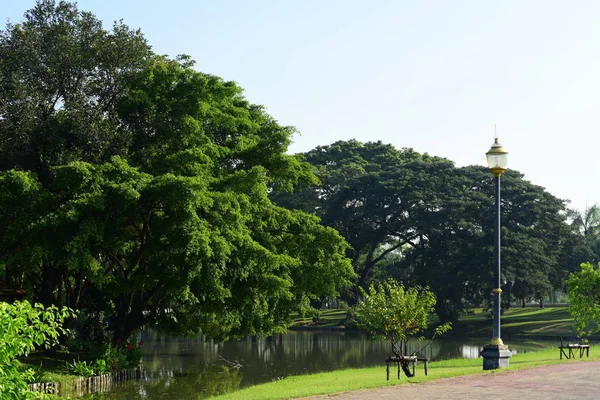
x=373 y=194
x=454 y=256
x=149 y=184
x=421 y=219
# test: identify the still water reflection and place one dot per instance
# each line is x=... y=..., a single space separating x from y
x=196 y=369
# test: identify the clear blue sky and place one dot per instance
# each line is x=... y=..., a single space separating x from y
x=432 y=75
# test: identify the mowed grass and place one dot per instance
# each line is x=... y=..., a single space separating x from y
x=548 y=321
x=333 y=318
x=375 y=377
x=533 y=321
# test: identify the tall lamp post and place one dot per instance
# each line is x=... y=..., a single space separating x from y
x=496 y=354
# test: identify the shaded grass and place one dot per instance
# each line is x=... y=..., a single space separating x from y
x=548 y=321
x=53 y=366
x=374 y=377
x=333 y=318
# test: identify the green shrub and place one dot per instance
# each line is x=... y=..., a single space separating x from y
x=24 y=327
x=123 y=356
x=101 y=367
x=80 y=368
x=32 y=375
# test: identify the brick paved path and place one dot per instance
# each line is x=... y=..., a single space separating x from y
x=579 y=380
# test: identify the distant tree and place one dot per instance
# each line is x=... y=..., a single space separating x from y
x=587 y=223
x=421 y=219
x=373 y=194
x=454 y=256
x=584 y=298
x=394 y=313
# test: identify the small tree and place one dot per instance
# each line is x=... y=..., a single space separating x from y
x=584 y=298
x=392 y=312
x=24 y=327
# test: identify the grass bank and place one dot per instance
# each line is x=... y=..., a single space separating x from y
x=529 y=321
x=52 y=367
x=374 y=377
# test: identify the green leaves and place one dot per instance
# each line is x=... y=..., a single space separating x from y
x=391 y=311
x=24 y=327
x=145 y=186
x=419 y=218
x=584 y=299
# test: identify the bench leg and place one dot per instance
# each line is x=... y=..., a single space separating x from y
x=398 y=370
x=414 y=365
x=426 y=368
x=387 y=370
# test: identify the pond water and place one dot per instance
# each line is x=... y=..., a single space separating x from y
x=197 y=369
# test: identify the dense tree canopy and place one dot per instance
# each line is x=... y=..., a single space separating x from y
x=132 y=184
x=372 y=194
x=422 y=220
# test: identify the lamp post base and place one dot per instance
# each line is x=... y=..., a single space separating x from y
x=495 y=356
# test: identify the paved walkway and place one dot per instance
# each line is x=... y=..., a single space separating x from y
x=579 y=380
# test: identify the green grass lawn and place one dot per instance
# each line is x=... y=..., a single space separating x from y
x=334 y=318
x=373 y=377
x=533 y=321
x=53 y=366
x=549 y=321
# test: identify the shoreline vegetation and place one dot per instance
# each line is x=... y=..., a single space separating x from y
x=549 y=323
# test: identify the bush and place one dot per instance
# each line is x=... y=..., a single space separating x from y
x=101 y=367
x=80 y=368
x=32 y=375
x=123 y=356
x=24 y=327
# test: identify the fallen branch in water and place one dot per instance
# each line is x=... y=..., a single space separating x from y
x=232 y=364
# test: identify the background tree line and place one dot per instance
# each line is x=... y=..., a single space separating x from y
x=424 y=221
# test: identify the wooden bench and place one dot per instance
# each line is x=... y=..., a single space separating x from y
x=568 y=350
x=406 y=359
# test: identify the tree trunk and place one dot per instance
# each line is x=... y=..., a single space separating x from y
x=406 y=368
x=128 y=319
